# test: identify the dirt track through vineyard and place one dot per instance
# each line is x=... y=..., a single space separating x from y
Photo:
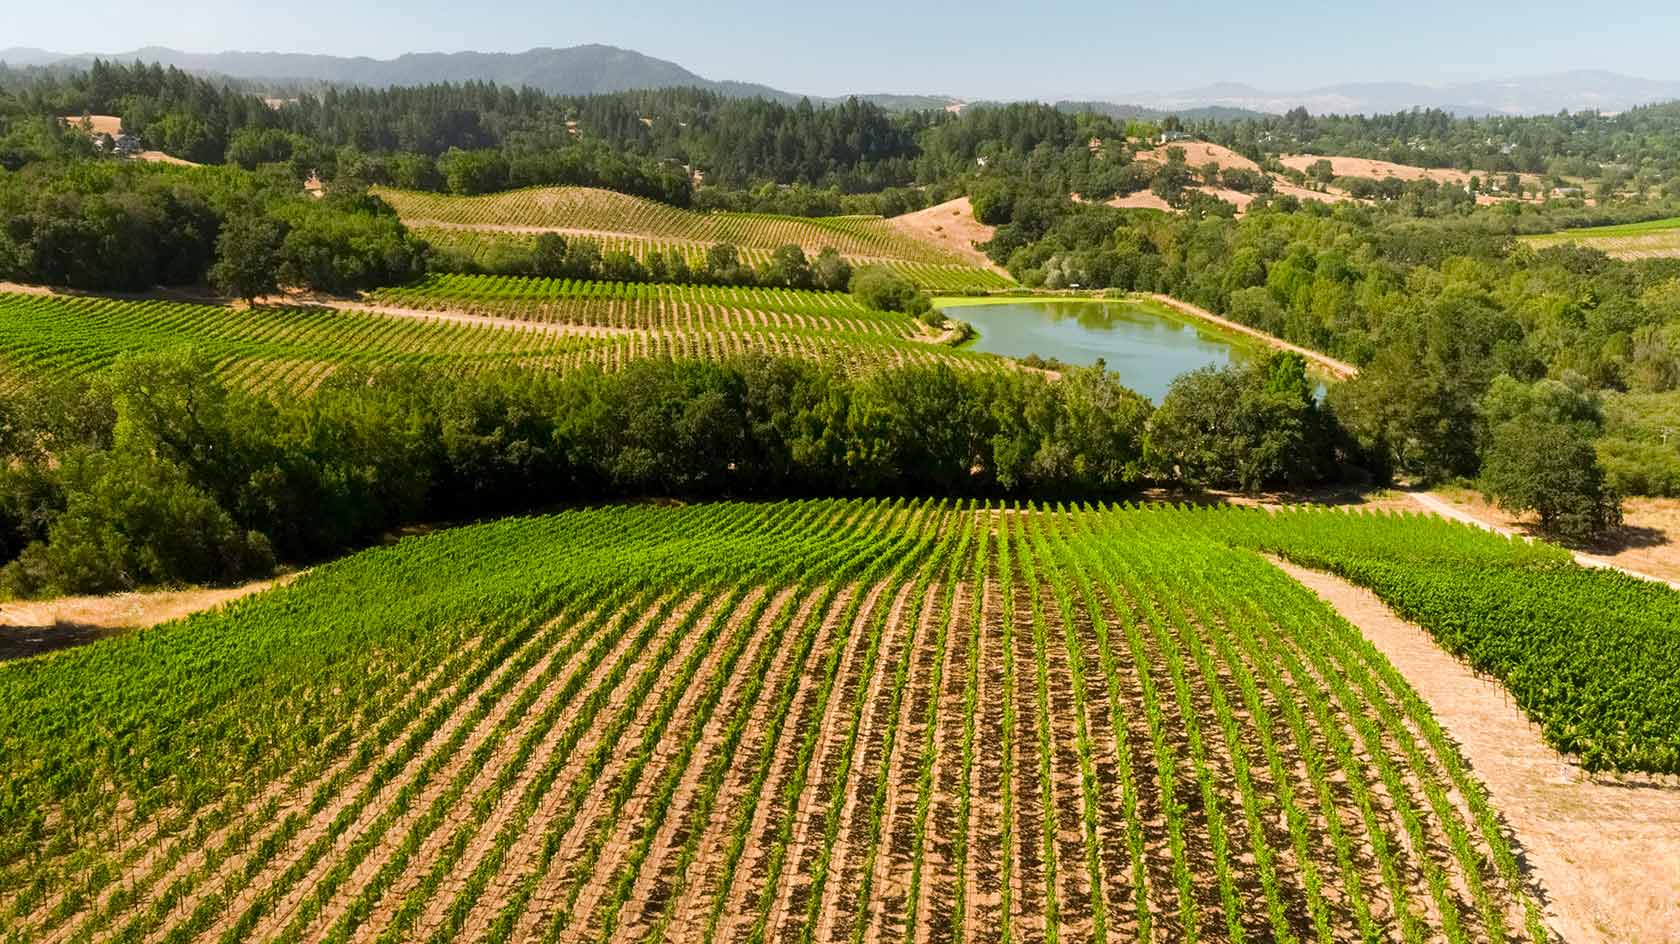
x=1605 y=851
x=944 y=726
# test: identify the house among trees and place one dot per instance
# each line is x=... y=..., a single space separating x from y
x=1168 y=137
x=126 y=145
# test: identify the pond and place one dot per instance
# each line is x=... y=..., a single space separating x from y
x=1144 y=343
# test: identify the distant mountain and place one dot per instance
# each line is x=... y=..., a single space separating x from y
x=891 y=102
x=578 y=70
x=1528 y=95
x=1121 y=112
x=25 y=56
x=587 y=70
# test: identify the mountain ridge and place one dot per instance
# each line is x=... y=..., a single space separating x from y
x=597 y=68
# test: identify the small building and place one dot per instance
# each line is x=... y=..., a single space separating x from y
x=127 y=145
x=1168 y=137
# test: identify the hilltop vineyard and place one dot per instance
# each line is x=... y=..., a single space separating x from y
x=589 y=211
x=482 y=246
x=825 y=721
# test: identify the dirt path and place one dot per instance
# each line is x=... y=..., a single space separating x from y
x=1604 y=854
x=32 y=627
x=1437 y=505
x=1341 y=370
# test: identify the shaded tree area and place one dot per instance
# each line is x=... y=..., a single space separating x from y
x=154 y=472
x=115 y=225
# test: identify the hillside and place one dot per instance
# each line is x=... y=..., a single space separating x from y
x=1014 y=717
x=460 y=324
x=934 y=259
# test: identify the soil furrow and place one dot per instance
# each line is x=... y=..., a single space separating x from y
x=884 y=722
x=633 y=819
x=838 y=740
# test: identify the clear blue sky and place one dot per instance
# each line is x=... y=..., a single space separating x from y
x=978 y=48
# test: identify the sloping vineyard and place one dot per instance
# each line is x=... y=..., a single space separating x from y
x=482 y=246
x=645 y=305
x=265 y=348
x=586 y=209
x=293 y=349
x=831 y=721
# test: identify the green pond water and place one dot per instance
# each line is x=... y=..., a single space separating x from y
x=1145 y=347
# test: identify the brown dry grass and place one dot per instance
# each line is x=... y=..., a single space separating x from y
x=31 y=627
x=1197 y=153
x=1141 y=200
x=158 y=157
x=102 y=124
x=951 y=226
x=1378 y=170
x=1285 y=188
x=1648 y=541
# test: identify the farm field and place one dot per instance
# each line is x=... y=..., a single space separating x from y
x=462 y=324
x=588 y=211
x=287 y=349
x=1654 y=239
x=482 y=246
x=837 y=720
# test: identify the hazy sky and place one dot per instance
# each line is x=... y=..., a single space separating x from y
x=976 y=48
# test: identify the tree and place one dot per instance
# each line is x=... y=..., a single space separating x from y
x=548 y=256
x=1247 y=427
x=723 y=265
x=1552 y=469
x=786 y=267
x=1539 y=456
x=885 y=290
x=1322 y=171
x=583 y=258
x=248 y=257
x=474 y=172
x=830 y=271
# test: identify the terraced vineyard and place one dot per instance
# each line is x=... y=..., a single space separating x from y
x=1655 y=239
x=481 y=246
x=608 y=214
x=833 y=721
x=294 y=349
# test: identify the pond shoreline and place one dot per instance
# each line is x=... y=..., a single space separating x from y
x=1233 y=332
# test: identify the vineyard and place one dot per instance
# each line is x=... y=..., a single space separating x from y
x=835 y=721
x=591 y=211
x=483 y=246
x=1654 y=239
x=264 y=348
x=295 y=348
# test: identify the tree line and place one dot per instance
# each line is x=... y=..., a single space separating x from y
x=154 y=472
